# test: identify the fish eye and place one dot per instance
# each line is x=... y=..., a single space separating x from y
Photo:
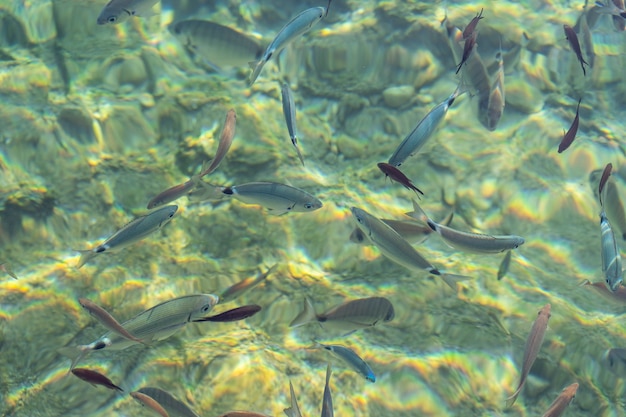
x=205 y=308
x=112 y=19
x=308 y=206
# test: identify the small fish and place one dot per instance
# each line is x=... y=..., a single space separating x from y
x=226 y=139
x=149 y=402
x=533 y=346
x=413 y=232
x=295 y=28
x=606 y=173
x=616 y=359
x=504 y=265
x=293 y=410
x=243 y=414
x=557 y=408
x=611 y=258
x=495 y=105
x=172 y=193
x=423 y=131
x=235 y=314
x=168 y=402
x=398 y=176
x=238 y=289
x=350 y=315
x=327 y=401
x=618 y=296
x=569 y=137
x=570 y=35
x=352 y=359
x=614 y=207
x=106 y=319
x=95 y=378
x=468 y=32
x=7 y=268
x=278 y=198
x=117 y=11
x=468 y=48
x=289 y=110
x=134 y=231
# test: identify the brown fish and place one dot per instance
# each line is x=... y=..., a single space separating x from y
x=569 y=137
x=172 y=193
x=618 y=297
x=106 y=319
x=603 y=179
x=396 y=175
x=247 y=284
x=468 y=48
x=95 y=378
x=533 y=346
x=149 y=402
x=242 y=414
x=570 y=35
x=226 y=139
x=235 y=314
x=468 y=32
x=562 y=401
x=168 y=402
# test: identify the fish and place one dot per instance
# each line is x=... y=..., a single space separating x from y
x=327 y=401
x=242 y=414
x=569 y=137
x=275 y=197
x=606 y=173
x=235 y=314
x=609 y=8
x=238 y=289
x=394 y=247
x=149 y=402
x=172 y=193
x=8 y=270
x=295 y=28
x=226 y=140
x=398 y=176
x=495 y=105
x=348 y=316
x=220 y=46
x=289 y=110
x=117 y=11
x=614 y=207
x=570 y=35
x=423 y=131
x=618 y=296
x=469 y=242
x=469 y=30
x=533 y=345
x=106 y=319
x=557 y=408
x=616 y=359
x=168 y=402
x=134 y=231
x=468 y=48
x=152 y=325
x=353 y=360
x=504 y=265
x=293 y=410
x=95 y=378
x=611 y=258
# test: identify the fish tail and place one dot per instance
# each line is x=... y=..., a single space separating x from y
x=511 y=400
x=452 y=279
x=85 y=256
x=307 y=315
x=205 y=191
x=256 y=67
x=75 y=353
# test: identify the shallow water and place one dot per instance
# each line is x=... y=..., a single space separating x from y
x=97 y=120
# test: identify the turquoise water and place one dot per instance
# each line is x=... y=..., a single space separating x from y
x=97 y=120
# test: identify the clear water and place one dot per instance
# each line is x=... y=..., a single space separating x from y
x=97 y=120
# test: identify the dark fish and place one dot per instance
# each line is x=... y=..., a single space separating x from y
x=95 y=378
x=242 y=414
x=172 y=193
x=226 y=139
x=569 y=137
x=606 y=173
x=247 y=284
x=570 y=35
x=469 y=46
x=618 y=296
x=468 y=32
x=150 y=402
x=562 y=401
x=168 y=402
x=236 y=314
x=396 y=175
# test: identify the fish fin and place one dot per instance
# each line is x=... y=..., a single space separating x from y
x=205 y=191
x=7 y=268
x=299 y=153
x=418 y=213
x=75 y=353
x=511 y=400
x=85 y=256
x=256 y=66
x=448 y=219
x=452 y=279
x=308 y=314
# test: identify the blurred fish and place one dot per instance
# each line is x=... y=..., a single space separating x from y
x=352 y=359
x=504 y=265
x=327 y=401
x=134 y=231
x=243 y=414
x=278 y=198
x=149 y=402
x=394 y=247
x=610 y=8
x=220 y=46
x=616 y=358
x=293 y=410
x=238 y=289
x=226 y=139
x=557 y=408
x=587 y=38
x=611 y=258
x=618 y=296
x=172 y=193
x=117 y=11
x=468 y=48
x=295 y=28
x=106 y=319
x=95 y=378
x=173 y=406
x=495 y=106
x=533 y=346
x=469 y=30
x=570 y=35
x=614 y=207
x=7 y=268
x=569 y=137
x=398 y=176
x=469 y=242
x=235 y=314
x=289 y=110
x=410 y=230
x=423 y=131
x=350 y=315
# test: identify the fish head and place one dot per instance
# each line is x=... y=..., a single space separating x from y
x=169 y=214
x=613 y=284
x=312 y=205
x=357 y=236
x=518 y=241
x=114 y=12
x=362 y=220
x=204 y=305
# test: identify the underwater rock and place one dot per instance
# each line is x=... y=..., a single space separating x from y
x=523 y=96
x=12 y=30
x=399 y=96
x=124 y=70
x=25 y=84
x=125 y=127
x=27 y=199
x=76 y=122
x=38 y=21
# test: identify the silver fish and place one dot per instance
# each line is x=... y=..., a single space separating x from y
x=611 y=258
x=533 y=345
x=220 y=46
x=106 y=319
x=352 y=359
x=423 y=131
x=295 y=28
x=557 y=408
x=236 y=290
x=496 y=103
x=413 y=232
x=614 y=207
x=134 y=231
x=278 y=198
x=469 y=242
x=394 y=247
x=173 y=406
x=289 y=110
x=150 y=402
x=117 y=11
x=327 y=402
x=293 y=410
x=349 y=316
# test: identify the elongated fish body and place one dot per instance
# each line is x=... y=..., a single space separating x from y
x=411 y=231
x=150 y=402
x=504 y=265
x=242 y=414
x=95 y=378
x=235 y=314
x=618 y=296
x=614 y=207
x=611 y=258
x=352 y=359
x=293 y=410
x=172 y=193
x=117 y=11
x=278 y=198
x=571 y=36
x=289 y=110
x=106 y=319
x=423 y=131
x=327 y=401
x=533 y=346
x=495 y=105
x=296 y=27
x=570 y=135
x=173 y=406
x=226 y=140
x=134 y=231
x=238 y=289
x=219 y=45
x=557 y=408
